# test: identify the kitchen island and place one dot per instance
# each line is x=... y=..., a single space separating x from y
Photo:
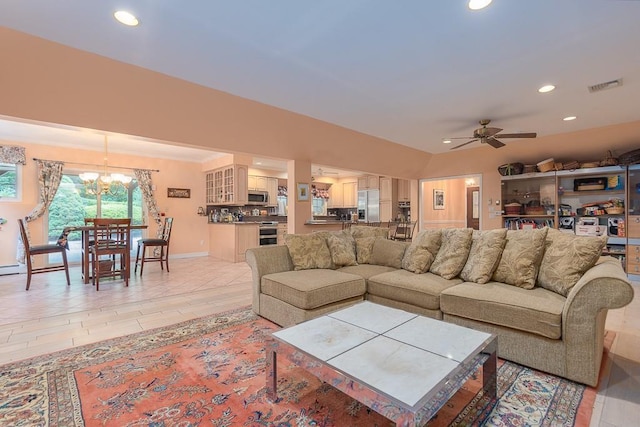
x=228 y=241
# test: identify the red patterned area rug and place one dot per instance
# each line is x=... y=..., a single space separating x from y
x=211 y=372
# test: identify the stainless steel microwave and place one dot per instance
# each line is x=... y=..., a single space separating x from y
x=258 y=197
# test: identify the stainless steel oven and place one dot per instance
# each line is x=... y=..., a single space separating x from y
x=268 y=233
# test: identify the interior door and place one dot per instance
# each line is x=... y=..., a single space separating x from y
x=473 y=207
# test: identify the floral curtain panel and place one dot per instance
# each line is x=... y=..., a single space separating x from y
x=11 y=154
x=49 y=177
x=143 y=176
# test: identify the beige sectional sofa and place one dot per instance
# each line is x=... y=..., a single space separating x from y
x=543 y=292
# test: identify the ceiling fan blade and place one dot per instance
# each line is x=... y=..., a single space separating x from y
x=518 y=135
x=494 y=142
x=490 y=131
x=462 y=145
x=462 y=137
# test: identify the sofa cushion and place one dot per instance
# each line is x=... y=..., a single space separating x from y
x=422 y=251
x=521 y=258
x=343 y=249
x=484 y=255
x=422 y=290
x=453 y=252
x=566 y=258
x=308 y=251
x=309 y=289
x=359 y=231
x=366 y=270
x=387 y=252
x=364 y=248
x=537 y=310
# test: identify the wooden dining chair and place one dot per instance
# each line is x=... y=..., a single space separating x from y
x=152 y=245
x=404 y=231
x=110 y=252
x=31 y=250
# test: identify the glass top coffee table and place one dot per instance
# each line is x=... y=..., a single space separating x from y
x=402 y=365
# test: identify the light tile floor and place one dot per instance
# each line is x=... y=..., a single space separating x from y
x=52 y=316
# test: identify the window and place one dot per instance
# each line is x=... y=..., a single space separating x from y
x=10 y=180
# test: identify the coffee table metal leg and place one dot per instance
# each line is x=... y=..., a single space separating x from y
x=272 y=368
x=489 y=375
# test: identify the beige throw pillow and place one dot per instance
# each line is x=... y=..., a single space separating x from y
x=422 y=251
x=387 y=252
x=521 y=258
x=453 y=252
x=308 y=251
x=566 y=258
x=484 y=256
x=364 y=248
x=343 y=249
x=359 y=231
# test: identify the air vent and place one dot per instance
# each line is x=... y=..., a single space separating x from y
x=606 y=85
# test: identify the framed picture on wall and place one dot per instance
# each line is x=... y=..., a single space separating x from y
x=179 y=193
x=302 y=192
x=438 y=199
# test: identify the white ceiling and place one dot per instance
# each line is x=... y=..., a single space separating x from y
x=413 y=72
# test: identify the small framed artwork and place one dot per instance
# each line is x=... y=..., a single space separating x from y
x=438 y=199
x=302 y=192
x=180 y=193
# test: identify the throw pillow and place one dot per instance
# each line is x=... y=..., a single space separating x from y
x=364 y=248
x=486 y=249
x=422 y=251
x=308 y=251
x=387 y=252
x=521 y=258
x=566 y=258
x=359 y=231
x=453 y=252
x=343 y=249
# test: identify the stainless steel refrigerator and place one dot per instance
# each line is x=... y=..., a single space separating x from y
x=369 y=205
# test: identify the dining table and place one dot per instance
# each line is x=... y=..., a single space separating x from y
x=86 y=229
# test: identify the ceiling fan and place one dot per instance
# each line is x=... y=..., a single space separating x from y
x=487 y=135
x=322 y=172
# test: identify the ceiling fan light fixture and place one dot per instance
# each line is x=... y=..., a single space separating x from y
x=478 y=4
x=546 y=88
x=446 y=141
x=126 y=18
x=569 y=118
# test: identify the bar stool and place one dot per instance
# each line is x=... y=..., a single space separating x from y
x=153 y=244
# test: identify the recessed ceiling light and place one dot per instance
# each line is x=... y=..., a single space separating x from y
x=546 y=88
x=569 y=118
x=446 y=141
x=126 y=18
x=479 y=4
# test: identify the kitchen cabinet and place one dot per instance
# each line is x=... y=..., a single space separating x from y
x=227 y=185
x=336 y=197
x=368 y=182
x=350 y=195
x=282 y=230
x=386 y=211
x=272 y=189
x=388 y=198
x=230 y=241
x=403 y=190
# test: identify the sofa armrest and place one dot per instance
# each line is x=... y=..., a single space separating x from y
x=604 y=286
x=266 y=260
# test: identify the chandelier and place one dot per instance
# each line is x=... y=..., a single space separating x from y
x=111 y=184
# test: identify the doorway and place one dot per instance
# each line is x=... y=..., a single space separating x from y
x=451 y=202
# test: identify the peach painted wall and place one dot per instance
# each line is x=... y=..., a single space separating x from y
x=454 y=212
x=587 y=145
x=190 y=233
x=49 y=82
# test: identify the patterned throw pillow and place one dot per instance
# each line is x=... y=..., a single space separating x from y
x=486 y=249
x=308 y=251
x=364 y=248
x=387 y=252
x=343 y=249
x=453 y=252
x=521 y=258
x=422 y=251
x=359 y=231
x=566 y=258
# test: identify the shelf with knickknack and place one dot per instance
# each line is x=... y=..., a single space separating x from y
x=529 y=200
